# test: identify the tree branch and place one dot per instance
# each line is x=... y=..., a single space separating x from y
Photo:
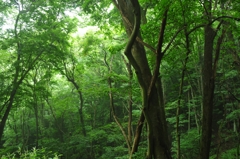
x=146 y=45
x=171 y=41
x=225 y=17
x=159 y=53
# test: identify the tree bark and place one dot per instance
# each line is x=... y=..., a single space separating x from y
x=208 y=83
x=208 y=90
x=153 y=110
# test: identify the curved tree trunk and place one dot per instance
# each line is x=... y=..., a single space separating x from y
x=153 y=108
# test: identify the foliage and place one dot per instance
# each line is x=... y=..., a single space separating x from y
x=35 y=153
x=62 y=79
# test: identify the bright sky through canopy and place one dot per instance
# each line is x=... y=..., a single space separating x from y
x=8 y=23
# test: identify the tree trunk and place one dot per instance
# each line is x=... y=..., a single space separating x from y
x=15 y=84
x=130 y=74
x=80 y=109
x=208 y=83
x=112 y=106
x=208 y=90
x=153 y=109
x=180 y=95
x=130 y=104
x=35 y=107
x=70 y=76
x=37 y=122
x=5 y=116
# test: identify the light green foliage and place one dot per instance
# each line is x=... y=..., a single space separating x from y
x=231 y=153
x=34 y=154
x=44 y=121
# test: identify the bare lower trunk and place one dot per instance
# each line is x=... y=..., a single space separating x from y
x=208 y=89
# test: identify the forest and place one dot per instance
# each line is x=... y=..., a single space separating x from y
x=120 y=79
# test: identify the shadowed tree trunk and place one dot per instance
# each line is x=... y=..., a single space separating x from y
x=208 y=85
x=153 y=108
x=208 y=89
x=208 y=82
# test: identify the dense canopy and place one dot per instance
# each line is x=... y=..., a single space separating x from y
x=120 y=79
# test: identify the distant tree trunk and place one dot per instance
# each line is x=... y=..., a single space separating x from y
x=54 y=117
x=80 y=109
x=14 y=128
x=37 y=122
x=35 y=106
x=112 y=106
x=130 y=74
x=70 y=77
x=159 y=145
x=178 y=137
x=189 y=111
x=238 y=144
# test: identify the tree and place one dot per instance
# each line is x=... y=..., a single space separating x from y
x=30 y=43
x=153 y=108
x=78 y=96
